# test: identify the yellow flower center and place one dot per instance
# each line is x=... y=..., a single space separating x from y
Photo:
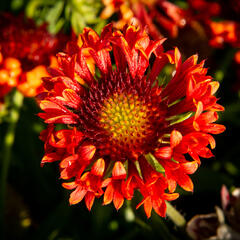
x=125 y=118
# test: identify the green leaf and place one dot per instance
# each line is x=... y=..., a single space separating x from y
x=56 y=27
x=55 y=12
x=77 y=22
x=154 y=163
x=16 y=4
x=67 y=11
x=32 y=7
x=179 y=118
x=99 y=26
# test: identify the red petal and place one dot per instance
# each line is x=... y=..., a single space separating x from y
x=172 y=184
x=189 y=167
x=108 y=195
x=89 y=200
x=160 y=207
x=98 y=167
x=56 y=117
x=81 y=68
x=214 y=128
x=185 y=182
x=86 y=153
x=199 y=109
x=106 y=182
x=50 y=157
x=68 y=161
x=119 y=171
x=175 y=138
x=170 y=196
x=148 y=206
x=164 y=152
x=77 y=195
x=72 y=98
x=51 y=106
x=174 y=57
x=70 y=185
x=118 y=199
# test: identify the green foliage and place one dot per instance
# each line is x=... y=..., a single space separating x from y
x=60 y=14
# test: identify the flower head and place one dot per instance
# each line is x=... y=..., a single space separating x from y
x=22 y=39
x=25 y=53
x=127 y=127
x=160 y=16
x=224 y=32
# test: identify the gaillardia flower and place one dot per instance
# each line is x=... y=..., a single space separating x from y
x=127 y=128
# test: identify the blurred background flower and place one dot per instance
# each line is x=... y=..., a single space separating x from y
x=224 y=224
x=26 y=52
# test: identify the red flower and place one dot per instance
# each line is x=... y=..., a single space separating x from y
x=128 y=129
x=22 y=39
x=176 y=171
x=224 y=32
x=25 y=54
x=159 y=16
x=10 y=70
x=202 y=10
x=89 y=185
x=115 y=186
x=153 y=190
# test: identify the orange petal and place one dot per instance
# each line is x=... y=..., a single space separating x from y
x=108 y=195
x=66 y=162
x=164 y=152
x=98 y=167
x=171 y=185
x=170 y=196
x=148 y=206
x=175 y=138
x=160 y=207
x=86 y=152
x=185 y=182
x=189 y=167
x=118 y=199
x=69 y=185
x=77 y=195
x=119 y=171
x=89 y=200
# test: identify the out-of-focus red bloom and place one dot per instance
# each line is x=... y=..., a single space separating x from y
x=202 y=10
x=236 y=85
x=163 y=18
x=235 y=4
x=10 y=70
x=25 y=54
x=225 y=32
x=237 y=57
x=22 y=39
x=128 y=129
x=159 y=16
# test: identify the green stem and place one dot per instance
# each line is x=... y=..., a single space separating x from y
x=175 y=216
x=142 y=224
x=17 y=101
